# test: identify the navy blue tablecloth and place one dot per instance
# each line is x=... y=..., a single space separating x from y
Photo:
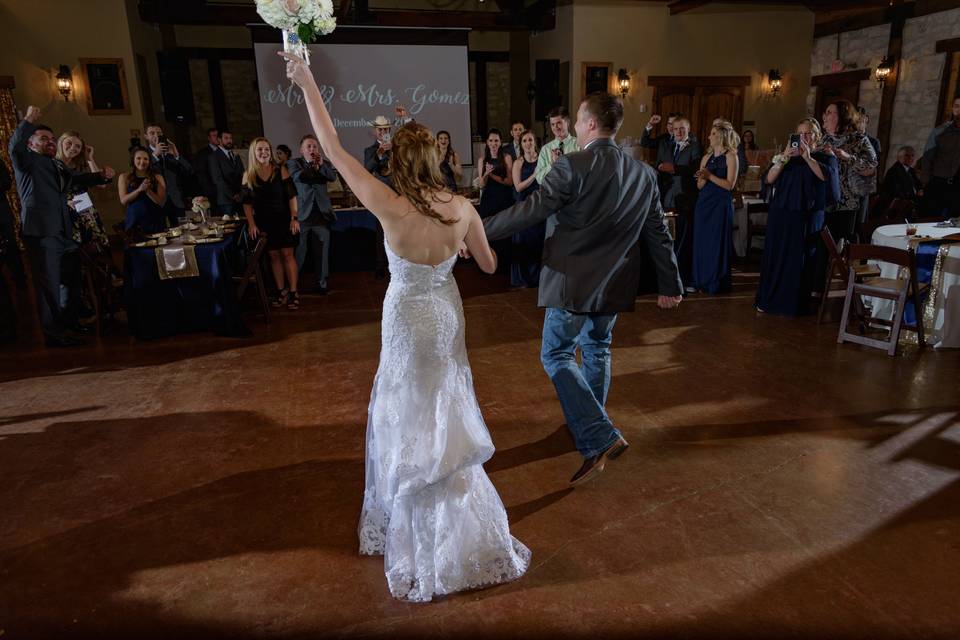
x=158 y=308
x=353 y=241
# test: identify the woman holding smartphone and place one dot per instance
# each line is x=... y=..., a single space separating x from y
x=142 y=192
x=800 y=183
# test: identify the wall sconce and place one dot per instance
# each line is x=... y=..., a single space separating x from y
x=623 y=83
x=883 y=70
x=65 y=82
x=531 y=91
x=775 y=80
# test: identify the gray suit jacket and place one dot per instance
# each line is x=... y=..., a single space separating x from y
x=44 y=183
x=599 y=204
x=311 y=187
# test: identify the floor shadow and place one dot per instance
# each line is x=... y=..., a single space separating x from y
x=558 y=443
x=27 y=417
x=518 y=512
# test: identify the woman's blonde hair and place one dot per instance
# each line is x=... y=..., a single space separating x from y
x=729 y=140
x=814 y=126
x=250 y=175
x=79 y=162
x=415 y=167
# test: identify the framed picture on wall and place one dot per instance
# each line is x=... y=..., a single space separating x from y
x=595 y=76
x=106 y=86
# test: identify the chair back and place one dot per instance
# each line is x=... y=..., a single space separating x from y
x=252 y=264
x=899 y=257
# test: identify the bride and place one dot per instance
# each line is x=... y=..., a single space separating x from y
x=428 y=506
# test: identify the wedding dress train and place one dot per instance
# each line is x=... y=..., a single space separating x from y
x=428 y=505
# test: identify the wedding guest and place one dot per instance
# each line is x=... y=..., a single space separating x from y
x=283 y=154
x=201 y=164
x=142 y=191
x=526 y=246
x=941 y=168
x=450 y=165
x=713 y=215
x=376 y=157
x=496 y=177
x=868 y=176
x=856 y=155
x=676 y=165
x=88 y=228
x=901 y=189
x=226 y=173
x=270 y=205
x=311 y=173
x=748 y=141
x=43 y=183
x=562 y=143
x=515 y=148
x=176 y=172
x=647 y=140
x=800 y=182
x=11 y=257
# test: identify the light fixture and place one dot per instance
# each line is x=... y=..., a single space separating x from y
x=623 y=82
x=883 y=70
x=65 y=82
x=775 y=80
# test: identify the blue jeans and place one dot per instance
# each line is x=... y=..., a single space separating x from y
x=582 y=389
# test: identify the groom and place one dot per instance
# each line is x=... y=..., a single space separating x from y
x=600 y=205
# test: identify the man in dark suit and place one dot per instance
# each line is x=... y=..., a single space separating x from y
x=901 y=187
x=516 y=133
x=376 y=157
x=226 y=173
x=676 y=164
x=165 y=160
x=201 y=164
x=43 y=183
x=310 y=174
x=600 y=206
x=649 y=141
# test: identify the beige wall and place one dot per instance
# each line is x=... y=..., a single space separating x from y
x=32 y=46
x=645 y=39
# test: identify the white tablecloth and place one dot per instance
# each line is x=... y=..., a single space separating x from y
x=943 y=328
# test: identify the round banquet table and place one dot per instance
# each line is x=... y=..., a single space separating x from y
x=938 y=263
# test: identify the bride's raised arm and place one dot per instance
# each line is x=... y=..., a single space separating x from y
x=377 y=197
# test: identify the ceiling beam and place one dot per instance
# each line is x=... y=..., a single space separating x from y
x=680 y=6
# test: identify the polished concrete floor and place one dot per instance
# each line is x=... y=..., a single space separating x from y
x=778 y=485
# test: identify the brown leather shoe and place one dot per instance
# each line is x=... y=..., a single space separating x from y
x=593 y=466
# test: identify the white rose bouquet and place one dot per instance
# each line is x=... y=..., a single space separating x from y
x=302 y=22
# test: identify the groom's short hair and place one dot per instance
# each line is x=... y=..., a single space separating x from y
x=606 y=109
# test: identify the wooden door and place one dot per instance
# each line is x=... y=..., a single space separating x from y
x=713 y=103
x=838 y=86
x=701 y=99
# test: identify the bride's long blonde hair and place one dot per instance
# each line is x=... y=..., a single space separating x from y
x=415 y=167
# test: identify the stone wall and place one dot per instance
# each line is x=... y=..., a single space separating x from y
x=921 y=72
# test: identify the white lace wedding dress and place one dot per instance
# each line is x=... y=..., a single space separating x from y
x=428 y=506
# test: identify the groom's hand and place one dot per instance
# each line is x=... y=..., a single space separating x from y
x=668 y=302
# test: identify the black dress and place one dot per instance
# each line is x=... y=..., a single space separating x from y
x=495 y=197
x=271 y=208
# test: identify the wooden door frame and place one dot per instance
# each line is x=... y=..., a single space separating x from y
x=696 y=85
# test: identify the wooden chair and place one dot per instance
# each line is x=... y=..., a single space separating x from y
x=755 y=228
x=896 y=289
x=253 y=274
x=102 y=285
x=838 y=270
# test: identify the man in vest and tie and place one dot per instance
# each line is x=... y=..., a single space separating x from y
x=43 y=183
x=226 y=172
x=676 y=164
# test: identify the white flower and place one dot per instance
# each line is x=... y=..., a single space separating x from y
x=289 y=14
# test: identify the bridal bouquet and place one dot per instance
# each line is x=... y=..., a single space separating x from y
x=200 y=205
x=302 y=22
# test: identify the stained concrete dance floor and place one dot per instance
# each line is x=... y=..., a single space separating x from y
x=778 y=485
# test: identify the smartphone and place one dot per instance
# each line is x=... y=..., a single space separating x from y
x=794 y=141
x=387 y=138
x=161 y=139
x=560 y=150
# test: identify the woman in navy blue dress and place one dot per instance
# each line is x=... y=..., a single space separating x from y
x=526 y=248
x=713 y=216
x=143 y=193
x=801 y=183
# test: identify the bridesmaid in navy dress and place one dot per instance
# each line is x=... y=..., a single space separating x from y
x=713 y=216
x=143 y=193
x=526 y=249
x=496 y=177
x=803 y=183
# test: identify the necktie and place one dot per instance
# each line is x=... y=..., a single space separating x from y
x=676 y=152
x=61 y=173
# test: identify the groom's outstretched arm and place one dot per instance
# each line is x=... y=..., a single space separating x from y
x=556 y=191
